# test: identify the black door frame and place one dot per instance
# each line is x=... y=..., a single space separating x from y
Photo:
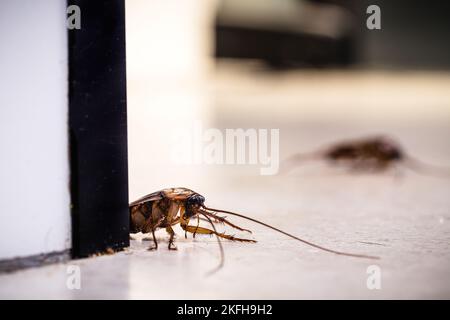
x=98 y=128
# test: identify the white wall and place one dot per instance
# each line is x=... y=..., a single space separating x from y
x=34 y=173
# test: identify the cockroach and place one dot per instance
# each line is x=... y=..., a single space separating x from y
x=372 y=154
x=172 y=206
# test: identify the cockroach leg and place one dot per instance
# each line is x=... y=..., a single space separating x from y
x=153 y=228
x=198 y=224
x=202 y=230
x=154 y=241
x=172 y=235
x=233 y=238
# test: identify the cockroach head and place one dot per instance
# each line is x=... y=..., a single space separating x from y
x=389 y=148
x=193 y=203
x=195 y=200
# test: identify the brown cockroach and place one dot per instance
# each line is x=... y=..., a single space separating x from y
x=172 y=206
x=372 y=154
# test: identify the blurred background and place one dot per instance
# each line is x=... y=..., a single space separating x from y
x=310 y=68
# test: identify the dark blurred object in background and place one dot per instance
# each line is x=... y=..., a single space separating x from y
x=321 y=33
x=414 y=35
x=285 y=33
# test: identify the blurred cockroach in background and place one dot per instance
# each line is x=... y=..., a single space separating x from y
x=372 y=154
x=168 y=207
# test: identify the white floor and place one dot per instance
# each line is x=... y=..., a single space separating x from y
x=381 y=216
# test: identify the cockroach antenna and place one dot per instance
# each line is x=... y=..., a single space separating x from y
x=424 y=168
x=222 y=254
x=292 y=236
x=290 y=163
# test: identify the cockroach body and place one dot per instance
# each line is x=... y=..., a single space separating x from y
x=172 y=206
x=376 y=153
x=168 y=207
x=373 y=154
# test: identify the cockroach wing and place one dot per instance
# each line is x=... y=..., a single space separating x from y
x=158 y=195
x=179 y=194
